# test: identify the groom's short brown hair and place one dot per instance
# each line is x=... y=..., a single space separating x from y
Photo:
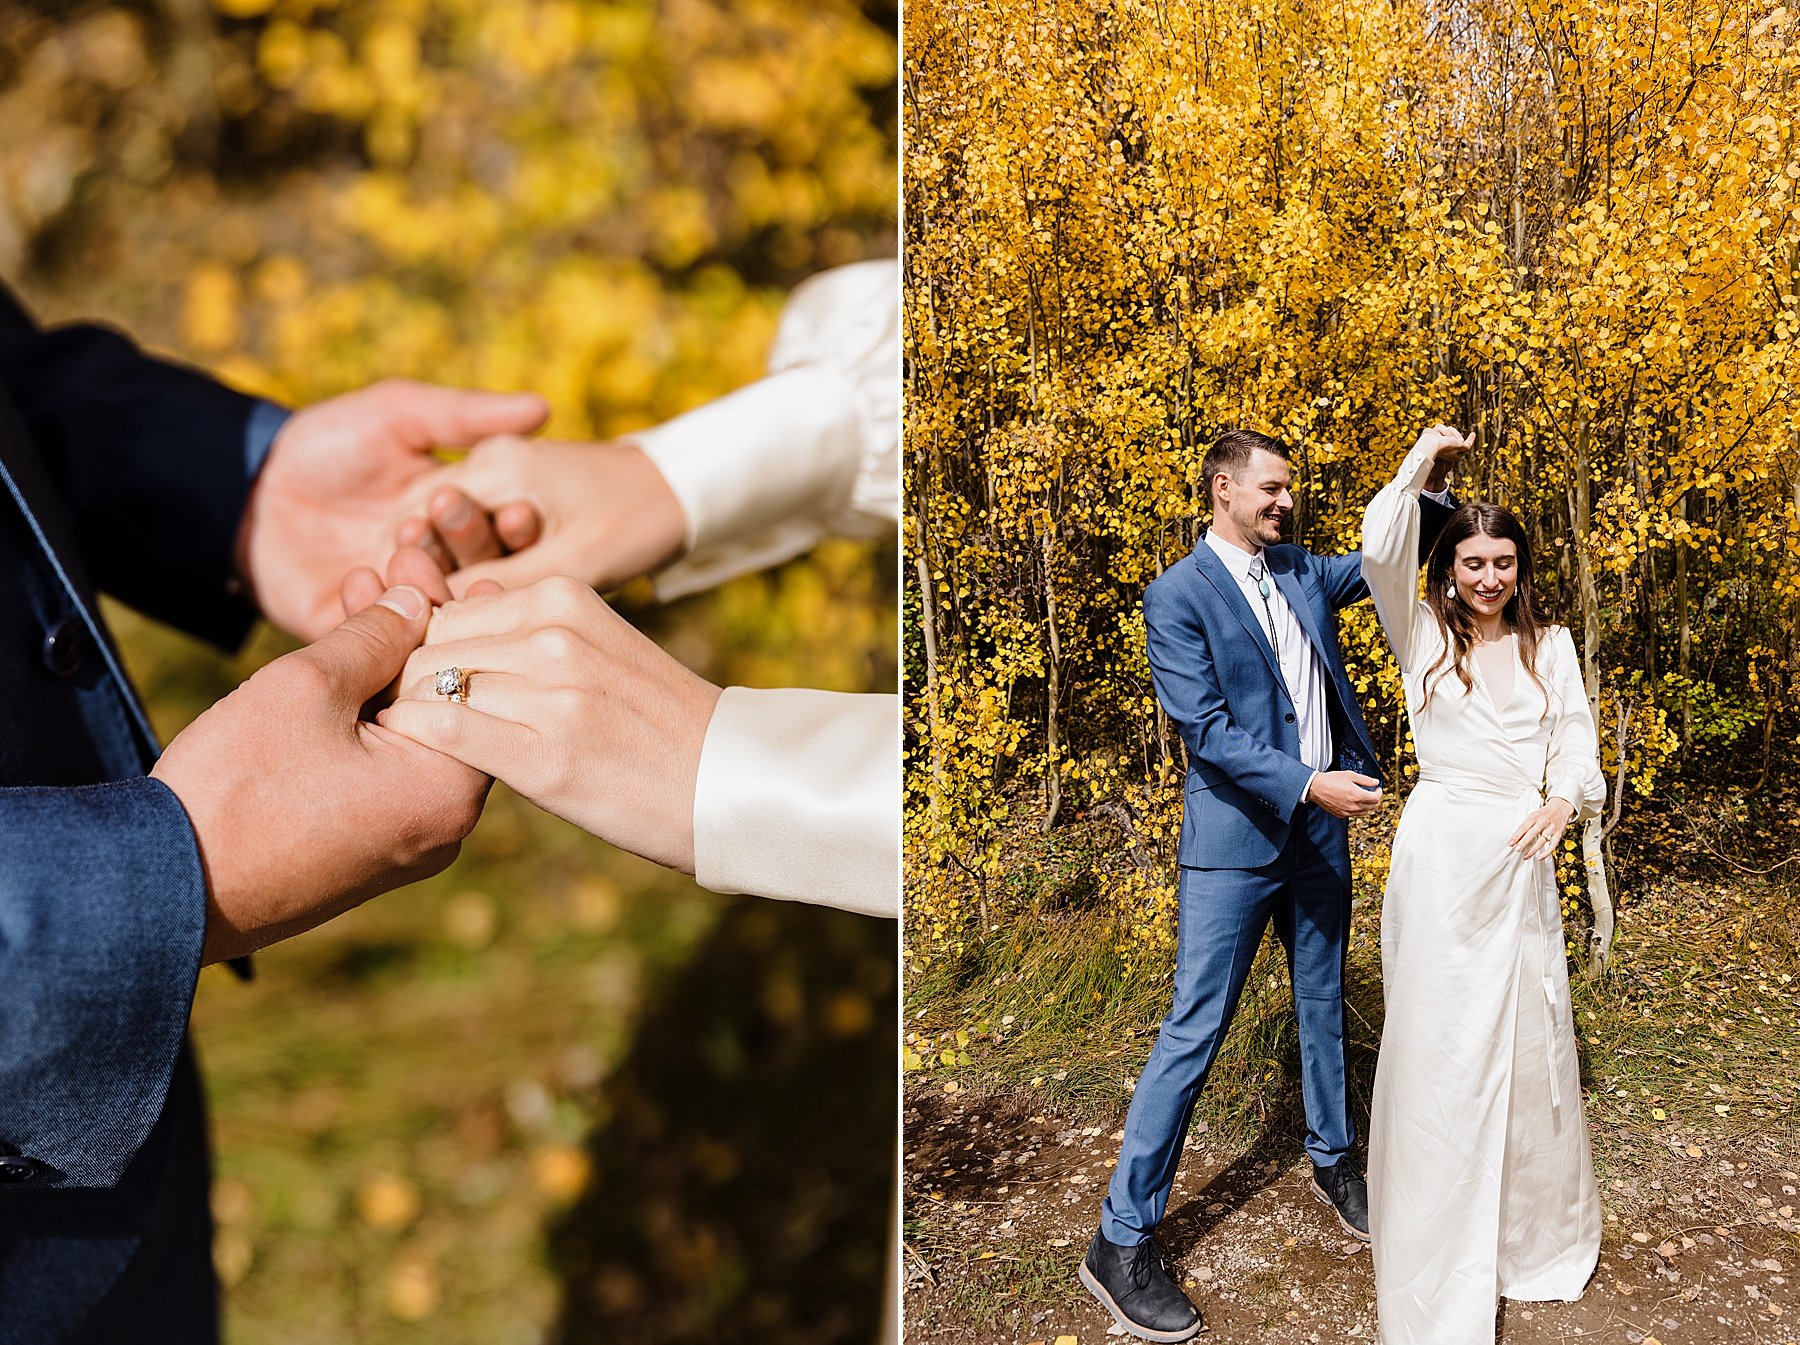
x=1231 y=453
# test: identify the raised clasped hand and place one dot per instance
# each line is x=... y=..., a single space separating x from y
x=336 y=484
x=1447 y=445
x=1446 y=442
x=519 y=510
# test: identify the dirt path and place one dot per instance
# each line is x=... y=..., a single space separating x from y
x=1701 y=1245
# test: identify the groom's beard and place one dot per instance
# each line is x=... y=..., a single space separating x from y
x=1258 y=527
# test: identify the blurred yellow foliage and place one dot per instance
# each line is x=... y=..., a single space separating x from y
x=561 y=1172
x=413 y=1289
x=212 y=319
x=233 y=1255
x=388 y=1202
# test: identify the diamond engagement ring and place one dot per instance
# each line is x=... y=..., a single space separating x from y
x=454 y=683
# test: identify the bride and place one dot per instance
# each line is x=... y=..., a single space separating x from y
x=1481 y=1181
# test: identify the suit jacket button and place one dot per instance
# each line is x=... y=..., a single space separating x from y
x=65 y=646
x=16 y=1168
x=1289 y=718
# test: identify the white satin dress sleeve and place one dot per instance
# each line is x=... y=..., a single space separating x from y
x=1390 y=552
x=798 y=797
x=809 y=452
x=1572 y=766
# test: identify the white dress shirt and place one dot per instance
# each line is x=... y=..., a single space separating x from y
x=798 y=792
x=1301 y=668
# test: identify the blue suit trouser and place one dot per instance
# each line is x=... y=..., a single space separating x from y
x=1223 y=913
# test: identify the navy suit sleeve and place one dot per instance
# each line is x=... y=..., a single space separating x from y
x=1341 y=576
x=153 y=461
x=1187 y=684
x=102 y=916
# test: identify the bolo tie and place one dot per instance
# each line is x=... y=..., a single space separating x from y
x=1259 y=572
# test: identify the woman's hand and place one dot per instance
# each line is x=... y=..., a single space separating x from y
x=517 y=510
x=1537 y=835
x=571 y=707
x=1448 y=445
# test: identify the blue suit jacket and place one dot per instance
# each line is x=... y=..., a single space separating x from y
x=1216 y=676
x=123 y=473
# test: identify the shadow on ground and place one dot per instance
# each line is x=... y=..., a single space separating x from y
x=1188 y=1223
x=1702 y=1254
x=743 y=1178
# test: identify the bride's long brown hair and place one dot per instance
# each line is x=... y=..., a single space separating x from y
x=1524 y=613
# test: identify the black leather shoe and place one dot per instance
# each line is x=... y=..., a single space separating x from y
x=1132 y=1284
x=1342 y=1187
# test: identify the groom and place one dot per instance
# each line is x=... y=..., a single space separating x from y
x=122 y=871
x=1243 y=648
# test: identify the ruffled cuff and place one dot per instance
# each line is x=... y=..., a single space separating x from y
x=759 y=474
x=1578 y=793
x=811 y=451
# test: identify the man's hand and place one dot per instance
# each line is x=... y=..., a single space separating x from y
x=598 y=512
x=338 y=474
x=302 y=810
x=1448 y=444
x=1344 y=793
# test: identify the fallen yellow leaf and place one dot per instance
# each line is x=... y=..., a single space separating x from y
x=412 y=1290
x=560 y=1171
x=388 y=1202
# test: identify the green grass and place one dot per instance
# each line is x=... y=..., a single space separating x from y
x=1699 y=1011
x=1038 y=1277
x=1083 y=1019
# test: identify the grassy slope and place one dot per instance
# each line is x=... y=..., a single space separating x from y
x=1698 y=1019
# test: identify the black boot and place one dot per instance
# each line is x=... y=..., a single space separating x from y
x=1342 y=1187
x=1132 y=1284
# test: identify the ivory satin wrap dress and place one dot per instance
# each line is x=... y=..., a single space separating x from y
x=1481 y=1179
